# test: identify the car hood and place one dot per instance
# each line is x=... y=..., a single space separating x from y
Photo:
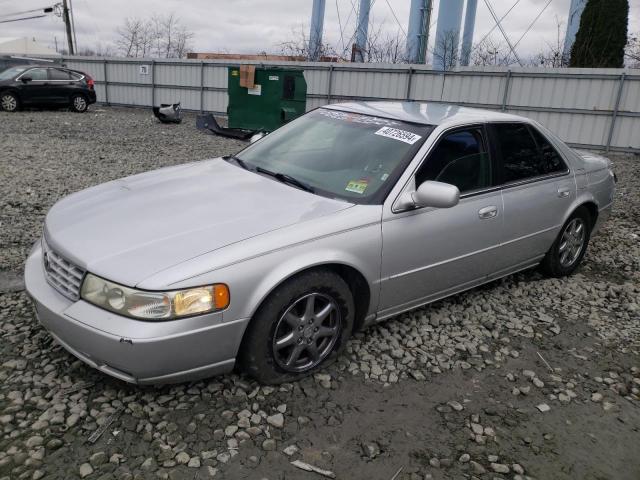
x=129 y=229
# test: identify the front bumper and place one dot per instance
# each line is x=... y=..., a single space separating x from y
x=134 y=351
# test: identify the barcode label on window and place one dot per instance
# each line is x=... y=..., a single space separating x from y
x=397 y=134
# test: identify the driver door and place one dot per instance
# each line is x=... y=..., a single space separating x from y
x=36 y=90
x=429 y=253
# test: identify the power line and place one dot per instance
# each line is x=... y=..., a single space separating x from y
x=394 y=16
x=496 y=25
x=504 y=34
x=340 y=25
x=13 y=14
x=23 y=18
x=532 y=23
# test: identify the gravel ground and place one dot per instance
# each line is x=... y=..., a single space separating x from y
x=526 y=377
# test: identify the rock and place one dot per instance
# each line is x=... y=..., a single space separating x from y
x=85 y=470
x=464 y=458
x=276 y=420
x=543 y=407
x=371 y=450
x=269 y=445
x=149 y=465
x=34 y=441
x=530 y=374
x=182 y=458
x=230 y=430
x=596 y=397
x=290 y=450
x=499 y=468
x=517 y=468
x=194 y=462
x=98 y=459
x=72 y=420
x=434 y=462
x=477 y=468
x=477 y=428
x=537 y=382
x=457 y=406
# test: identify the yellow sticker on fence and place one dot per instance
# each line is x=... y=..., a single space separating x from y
x=357 y=186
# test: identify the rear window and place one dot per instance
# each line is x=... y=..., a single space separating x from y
x=525 y=153
x=57 y=74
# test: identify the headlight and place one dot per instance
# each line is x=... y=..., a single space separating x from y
x=154 y=305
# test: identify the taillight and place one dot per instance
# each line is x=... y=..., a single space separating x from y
x=90 y=82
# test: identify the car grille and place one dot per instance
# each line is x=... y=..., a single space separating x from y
x=61 y=274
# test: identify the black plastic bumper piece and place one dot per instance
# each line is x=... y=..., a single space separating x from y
x=208 y=124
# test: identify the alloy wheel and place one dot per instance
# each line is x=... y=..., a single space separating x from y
x=306 y=333
x=572 y=242
x=9 y=103
x=79 y=103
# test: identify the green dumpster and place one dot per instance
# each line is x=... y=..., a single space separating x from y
x=278 y=96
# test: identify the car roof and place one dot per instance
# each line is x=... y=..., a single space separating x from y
x=426 y=113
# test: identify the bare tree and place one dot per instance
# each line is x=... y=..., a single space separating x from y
x=385 y=48
x=490 y=52
x=632 y=52
x=159 y=36
x=298 y=45
x=446 y=51
x=553 y=56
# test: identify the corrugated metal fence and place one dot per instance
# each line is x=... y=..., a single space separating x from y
x=590 y=108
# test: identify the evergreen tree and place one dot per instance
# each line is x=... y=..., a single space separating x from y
x=602 y=35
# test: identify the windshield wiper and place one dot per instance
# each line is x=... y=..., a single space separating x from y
x=239 y=161
x=285 y=178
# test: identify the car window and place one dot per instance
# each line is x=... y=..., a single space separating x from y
x=551 y=161
x=11 y=72
x=522 y=157
x=56 y=74
x=340 y=154
x=36 y=74
x=461 y=159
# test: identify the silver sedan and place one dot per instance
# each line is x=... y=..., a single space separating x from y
x=268 y=260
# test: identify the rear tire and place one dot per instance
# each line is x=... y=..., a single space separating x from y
x=567 y=252
x=9 y=102
x=79 y=103
x=301 y=327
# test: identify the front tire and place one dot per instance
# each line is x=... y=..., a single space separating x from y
x=79 y=103
x=301 y=327
x=567 y=252
x=9 y=102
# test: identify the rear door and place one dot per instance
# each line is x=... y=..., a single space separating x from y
x=61 y=85
x=537 y=188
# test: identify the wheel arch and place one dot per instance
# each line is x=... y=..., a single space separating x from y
x=592 y=208
x=353 y=277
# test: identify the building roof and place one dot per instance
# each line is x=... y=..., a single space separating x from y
x=24 y=46
x=427 y=113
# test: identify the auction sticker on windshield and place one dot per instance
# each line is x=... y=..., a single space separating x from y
x=357 y=186
x=397 y=134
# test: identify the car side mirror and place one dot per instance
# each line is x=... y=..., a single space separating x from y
x=432 y=194
x=26 y=79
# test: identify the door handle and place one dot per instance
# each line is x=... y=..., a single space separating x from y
x=563 y=192
x=488 y=212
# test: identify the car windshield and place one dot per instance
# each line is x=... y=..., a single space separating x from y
x=339 y=154
x=11 y=72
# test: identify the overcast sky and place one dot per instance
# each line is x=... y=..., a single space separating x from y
x=250 y=26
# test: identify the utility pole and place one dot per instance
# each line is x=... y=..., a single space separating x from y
x=67 y=23
x=315 y=34
x=359 y=49
x=418 y=34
